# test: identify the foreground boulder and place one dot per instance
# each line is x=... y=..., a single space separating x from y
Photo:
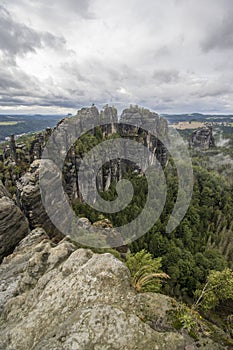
x=13 y=224
x=55 y=296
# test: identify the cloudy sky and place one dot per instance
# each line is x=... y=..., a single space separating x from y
x=173 y=56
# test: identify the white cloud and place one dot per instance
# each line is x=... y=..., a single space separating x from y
x=163 y=55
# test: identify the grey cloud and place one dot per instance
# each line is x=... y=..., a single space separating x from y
x=60 y=102
x=18 y=88
x=50 y=40
x=162 y=51
x=10 y=101
x=166 y=76
x=12 y=77
x=221 y=36
x=97 y=73
x=148 y=52
x=215 y=91
x=8 y=81
x=76 y=92
x=78 y=7
x=28 y=101
x=213 y=88
x=17 y=38
x=81 y=7
x=74 y=70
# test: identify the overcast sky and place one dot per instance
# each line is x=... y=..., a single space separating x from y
x=172 y=56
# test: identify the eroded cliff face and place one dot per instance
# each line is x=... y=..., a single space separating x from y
x=13 y=224
x=130 y=127
x=202 y=139
x=55 y=296
x=17 y=153
x=29 y=200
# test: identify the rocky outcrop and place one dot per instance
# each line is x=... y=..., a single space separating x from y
x=13 y=148
x=60 y=297
x=29 y=197
x=146 y=127
x=137 y=124
x=37 y=145
x=3 y=191
x=202 y=138
x=13 y=266
x=13 y=224
x=30 y=202
x=17 y=157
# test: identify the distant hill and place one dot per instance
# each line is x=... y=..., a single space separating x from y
x=174 y=118
x=23 y=124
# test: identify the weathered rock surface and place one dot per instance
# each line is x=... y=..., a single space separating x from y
x=13 y=224
x=3 y=191
x=59 y=297
x=135 y=124
x=13 y=265
x=202 y=138
x=19 y=156
x=29 y=200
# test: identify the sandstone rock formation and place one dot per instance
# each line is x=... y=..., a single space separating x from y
x=60 y=297
x=29 y=200
x=13 y=224
x=202 y=138
x=17 y=157
x=133 y=120
x=136 y=124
